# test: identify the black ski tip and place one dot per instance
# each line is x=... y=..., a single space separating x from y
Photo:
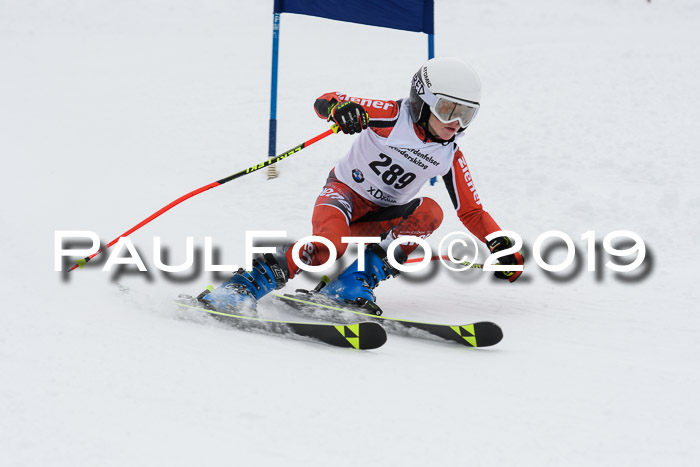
x=373 y=335
x=366 y=335
x=479 y=334
x=487 y=334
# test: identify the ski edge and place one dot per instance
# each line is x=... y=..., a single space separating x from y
x=465 y=334
x=365 y=335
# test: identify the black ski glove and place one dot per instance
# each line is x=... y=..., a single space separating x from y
x=349 y=116
x=500 y=244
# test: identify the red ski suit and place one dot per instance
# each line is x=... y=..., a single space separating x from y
x=356 y=207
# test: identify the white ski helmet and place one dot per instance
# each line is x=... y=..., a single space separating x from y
x=447 y=87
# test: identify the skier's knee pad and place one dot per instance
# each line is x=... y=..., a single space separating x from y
x=430 y=214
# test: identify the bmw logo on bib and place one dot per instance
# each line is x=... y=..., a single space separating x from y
x=357 y=176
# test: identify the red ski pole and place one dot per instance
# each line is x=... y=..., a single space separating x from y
x=334 y=129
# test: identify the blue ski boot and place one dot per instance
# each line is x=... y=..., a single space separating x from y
x=354 y=286
x=245 y=288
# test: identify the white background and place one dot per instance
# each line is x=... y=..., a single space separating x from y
x=110 y=110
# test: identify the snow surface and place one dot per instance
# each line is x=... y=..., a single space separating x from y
x=110 y=110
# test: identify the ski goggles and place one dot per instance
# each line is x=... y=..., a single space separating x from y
x=448 y=109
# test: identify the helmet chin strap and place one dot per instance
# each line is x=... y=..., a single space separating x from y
x=444 y=142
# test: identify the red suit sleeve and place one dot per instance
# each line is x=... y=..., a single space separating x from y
x=466 y=200
x=382 y=113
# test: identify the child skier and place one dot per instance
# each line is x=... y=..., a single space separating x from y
x=370 y=191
